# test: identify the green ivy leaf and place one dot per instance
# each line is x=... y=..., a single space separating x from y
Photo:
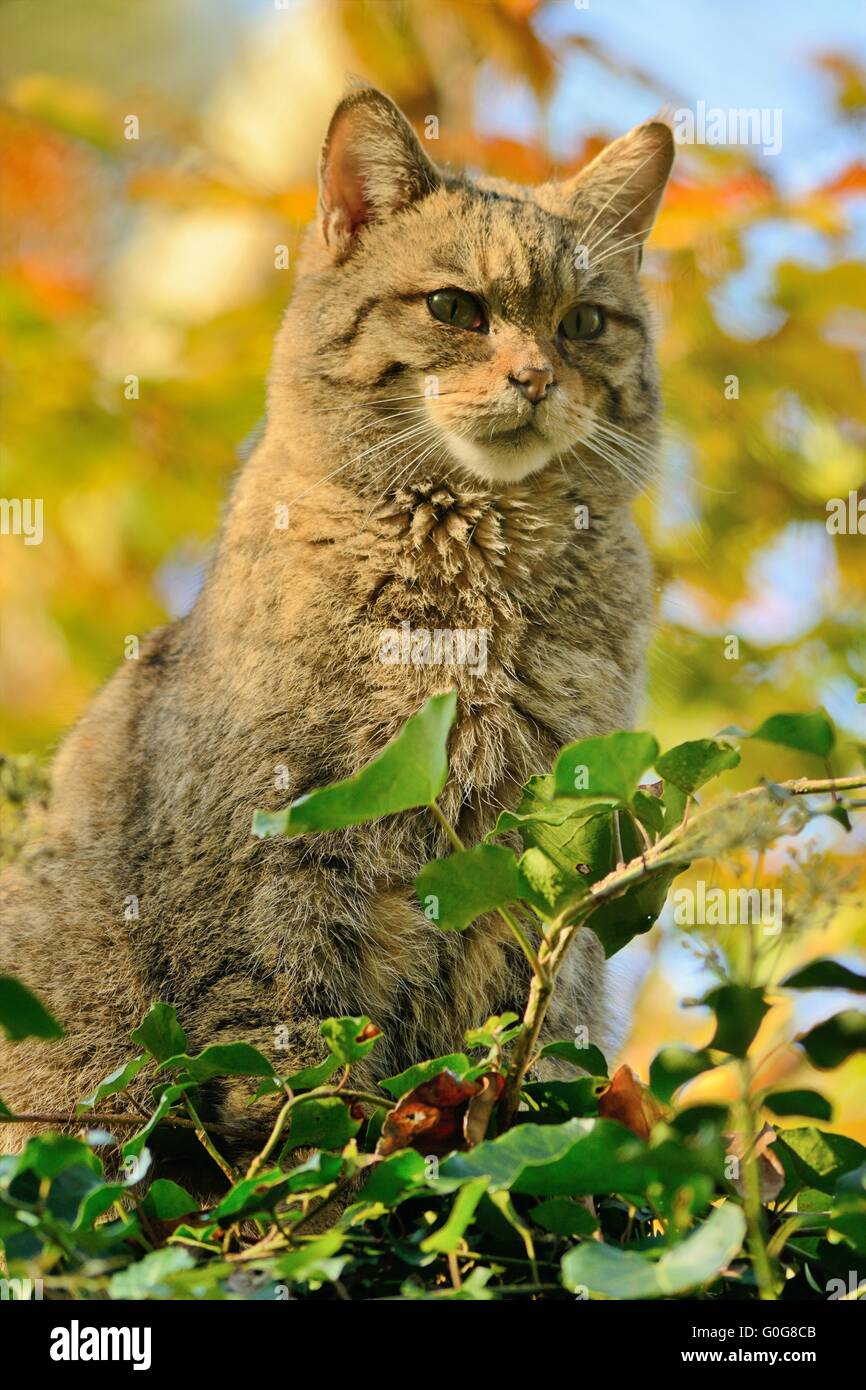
x=410 y=772
x=834 y=1040
x=563 y=1100
x=322 y=1124
x=609 y=766
x=344 y=1037
x=618 y=921
x=805 y=733
x=580 y=1157
x=220 y=1059
x=319 y=1171
x=674 y=802
x=819 y=1158
x=495 y=1031
x=673 y=1066
x=445 y=1240
x=590 y=1059
x=117 y=1081
x=539 y=808
x=95 y=1203
x=689 y=765
x=826 y=974
x=808 y=1103
x=569 y=832
x=739 y=1010
x=160 y=1033
x=563 y=1217
x=546 y=885
x=253 y=1196
x=606 y=1271
x=309 y=1077
x=22 y=1015
x=407 y=1080
x=650 y=811
x=395 y=1177
x=167 y=1200
x=456 y=890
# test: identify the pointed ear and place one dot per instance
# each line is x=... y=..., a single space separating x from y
x=372 y=164
x=624 y=184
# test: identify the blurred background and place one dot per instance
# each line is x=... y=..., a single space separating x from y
x=154 y=155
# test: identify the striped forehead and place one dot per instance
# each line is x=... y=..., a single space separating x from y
x=518 y=255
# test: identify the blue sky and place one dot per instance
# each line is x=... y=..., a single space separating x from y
x=740 y=53
x=736 y=54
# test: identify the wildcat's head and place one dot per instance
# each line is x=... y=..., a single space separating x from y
x=442 y=322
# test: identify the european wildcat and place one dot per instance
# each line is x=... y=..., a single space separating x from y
x=451 y=381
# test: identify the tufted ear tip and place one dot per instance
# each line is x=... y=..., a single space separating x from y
x=659 y=133
x=627 y=179
x=372 y=164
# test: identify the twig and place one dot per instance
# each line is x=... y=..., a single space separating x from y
x=207 y=1143
x=129 y=1121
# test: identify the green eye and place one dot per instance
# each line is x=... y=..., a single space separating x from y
x=456 y=307
x=582 y=322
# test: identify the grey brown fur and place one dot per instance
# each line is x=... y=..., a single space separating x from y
x=278 y=663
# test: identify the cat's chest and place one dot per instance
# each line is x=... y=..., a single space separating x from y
x=440 y=558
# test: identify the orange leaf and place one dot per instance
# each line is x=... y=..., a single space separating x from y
x=631 y=1103
x=431 y=1118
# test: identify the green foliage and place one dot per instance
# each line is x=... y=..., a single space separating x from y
x=690 y=765
x=22 y=1015
x=410 y=772
x=232 y=1059
x=834 y=1040
x=481 y=1174
x=160 y=1032
x=805 y=733
x=810 y=1103
x=609 y=766
x=739 y=1011
x=456 y=890
x=826 y=974
x=607 y=1272
x=675 y=1065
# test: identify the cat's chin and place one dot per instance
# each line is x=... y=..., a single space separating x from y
x=506 y=462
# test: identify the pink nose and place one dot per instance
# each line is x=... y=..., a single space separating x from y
x=533 y=382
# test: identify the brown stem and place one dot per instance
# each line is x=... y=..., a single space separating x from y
x=540 y=990
x=129 y=1121
x=207 y=1143
x=179 y=1121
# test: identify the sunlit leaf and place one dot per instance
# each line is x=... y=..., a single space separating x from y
x=690 y=765
x=456 y=890
x=411 y=771
x=609 y=766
